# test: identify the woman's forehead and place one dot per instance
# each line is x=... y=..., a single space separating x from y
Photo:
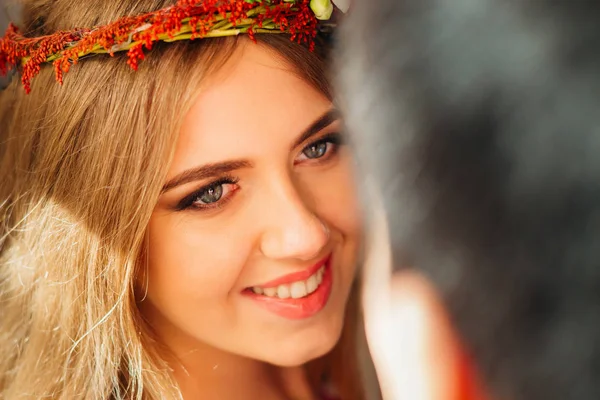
x=255 y=100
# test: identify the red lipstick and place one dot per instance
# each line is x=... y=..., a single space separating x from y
x=303 y=307
x=297 y=276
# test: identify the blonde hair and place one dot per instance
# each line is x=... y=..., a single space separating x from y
x=81 y=167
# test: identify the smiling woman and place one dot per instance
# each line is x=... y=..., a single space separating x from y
x=188 y=230
x=257 y=210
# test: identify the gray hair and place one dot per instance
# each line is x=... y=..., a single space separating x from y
x=479 y=121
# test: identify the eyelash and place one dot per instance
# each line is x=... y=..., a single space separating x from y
x=336 y=139
x=189 y=202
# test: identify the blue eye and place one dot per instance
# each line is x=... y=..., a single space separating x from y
x=321 y=148
x=213 y=195
x=316 y=150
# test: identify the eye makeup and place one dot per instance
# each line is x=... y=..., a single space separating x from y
x=331 y=140
x=193 y=200
x=223 y=189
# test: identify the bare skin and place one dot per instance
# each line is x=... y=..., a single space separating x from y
x=416 y=351
x=280 y=203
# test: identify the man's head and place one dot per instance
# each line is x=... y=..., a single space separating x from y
x=478 y=121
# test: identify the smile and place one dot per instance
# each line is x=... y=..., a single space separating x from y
x=296 y=296
x=295 y=290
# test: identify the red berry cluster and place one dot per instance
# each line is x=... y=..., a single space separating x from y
x=134 y=34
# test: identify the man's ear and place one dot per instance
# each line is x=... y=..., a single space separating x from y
x=416 y=351
x=430 y=362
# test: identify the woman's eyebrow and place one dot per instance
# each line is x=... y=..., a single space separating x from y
x=321 y=123
x=212 y=170
x=204 y=172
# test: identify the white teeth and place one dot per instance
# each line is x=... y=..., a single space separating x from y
x=283 y=291
x=312 y=284
x=320 y=276
x=298 y=290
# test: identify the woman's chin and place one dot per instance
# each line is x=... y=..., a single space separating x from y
x=297 y=353
x=299 y=357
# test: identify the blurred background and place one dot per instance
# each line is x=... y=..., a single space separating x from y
x=8 y=12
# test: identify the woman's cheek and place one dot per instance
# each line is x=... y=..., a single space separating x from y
x=339 y=202
x=188 y=260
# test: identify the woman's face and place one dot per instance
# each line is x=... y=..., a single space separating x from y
x=253 y=243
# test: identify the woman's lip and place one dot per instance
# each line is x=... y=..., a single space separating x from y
x=296 y=309
x=296 y=276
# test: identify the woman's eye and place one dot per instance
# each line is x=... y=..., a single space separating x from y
x=214 y=195
x=315 y=150
x=211 y=194
x=321 y=149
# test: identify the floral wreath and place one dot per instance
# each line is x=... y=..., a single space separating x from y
x=186 y=20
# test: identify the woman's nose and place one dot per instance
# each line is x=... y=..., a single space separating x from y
x=292 y=230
